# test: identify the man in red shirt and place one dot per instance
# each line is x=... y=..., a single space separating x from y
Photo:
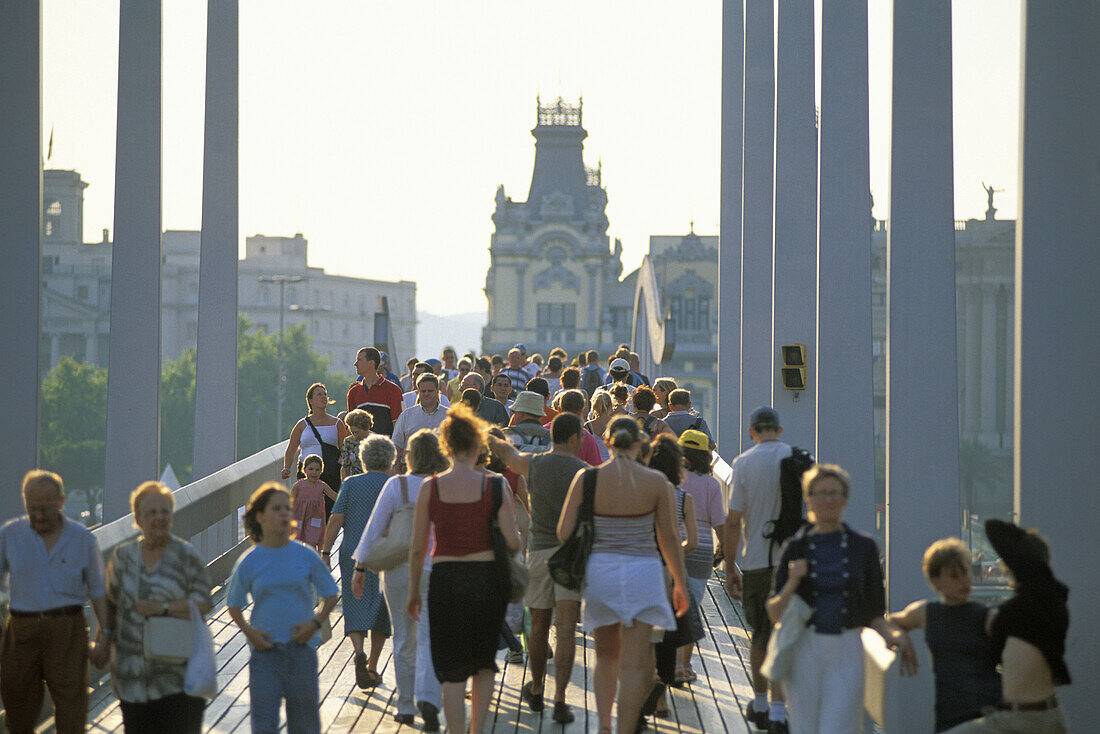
x=375 y=394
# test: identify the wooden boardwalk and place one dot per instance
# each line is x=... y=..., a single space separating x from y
x=710 y=704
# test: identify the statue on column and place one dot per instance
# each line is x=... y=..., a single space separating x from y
x=990 y=210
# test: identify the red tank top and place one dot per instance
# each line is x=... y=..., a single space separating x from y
x=461 y=528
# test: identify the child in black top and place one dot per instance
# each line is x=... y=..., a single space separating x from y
x=964 y=661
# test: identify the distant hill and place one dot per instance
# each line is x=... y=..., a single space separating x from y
x=461 y=331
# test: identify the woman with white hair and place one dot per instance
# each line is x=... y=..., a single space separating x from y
x=351 y=512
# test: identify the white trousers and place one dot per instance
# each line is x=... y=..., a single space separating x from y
x=825 y=687
x=412 y=647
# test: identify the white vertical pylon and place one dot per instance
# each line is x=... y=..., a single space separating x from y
x=845 y=389
x=133 y=374
x=757 y=209
x=728 y=405
x=20 y=239
x=795 y=254
x=922 y=397
x=216 y=357
x=1057 y=324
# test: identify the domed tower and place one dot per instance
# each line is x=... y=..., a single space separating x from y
x=550 y=257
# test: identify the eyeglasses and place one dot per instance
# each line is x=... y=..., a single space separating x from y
x=830 y=494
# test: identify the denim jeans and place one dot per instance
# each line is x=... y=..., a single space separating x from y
x=288 y=671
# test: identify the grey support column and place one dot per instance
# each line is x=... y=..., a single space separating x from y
x=728 y=405
x=133 y=376
x=521 y=294
x=1058 y=318
x=922 y=402
x=216 y=359
x=20 y=239
x=756 y=216
x=794 y=312
x=845 y=389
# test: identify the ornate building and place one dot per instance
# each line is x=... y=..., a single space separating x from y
x=984 y=297
x=553 y=275
x=340 y=311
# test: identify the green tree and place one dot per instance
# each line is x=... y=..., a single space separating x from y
x=73 y=427
x=257 y=384
x=177 y=415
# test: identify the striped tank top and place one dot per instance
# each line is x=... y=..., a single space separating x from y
x=626 y=535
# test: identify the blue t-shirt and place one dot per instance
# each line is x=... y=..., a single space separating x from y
x=281 y=582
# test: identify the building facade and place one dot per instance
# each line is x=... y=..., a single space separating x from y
x=984 y=297
x=553 y=275
x=340 y=311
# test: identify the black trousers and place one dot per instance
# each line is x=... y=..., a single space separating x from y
x=174 y=714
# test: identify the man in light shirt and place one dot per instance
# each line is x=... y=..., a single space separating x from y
x=428 y=412
x=53 y=566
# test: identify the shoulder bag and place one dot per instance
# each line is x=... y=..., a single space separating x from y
x=512 y=571
x=392 y=548
x=330 y=455
x=568 y=563
x=169 y=639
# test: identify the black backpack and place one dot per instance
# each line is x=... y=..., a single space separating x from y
x=792 y=510
x=590 y=381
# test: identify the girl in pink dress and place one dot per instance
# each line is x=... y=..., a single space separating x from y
x=307 y=497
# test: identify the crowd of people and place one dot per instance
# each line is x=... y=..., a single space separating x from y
x=456 y=486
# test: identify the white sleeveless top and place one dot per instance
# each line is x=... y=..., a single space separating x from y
x=308 y=443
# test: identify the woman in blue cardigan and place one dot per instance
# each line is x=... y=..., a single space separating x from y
x=836 y=571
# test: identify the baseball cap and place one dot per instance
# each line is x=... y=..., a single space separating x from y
x=764 y=414
x=433 y=362
x=385 y=358
x=692 y=439
x=521 y=348
x=619 y=365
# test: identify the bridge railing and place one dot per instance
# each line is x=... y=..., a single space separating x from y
x=207 y=512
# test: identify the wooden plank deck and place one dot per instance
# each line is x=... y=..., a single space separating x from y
x=711 y=704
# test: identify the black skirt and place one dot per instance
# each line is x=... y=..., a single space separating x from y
x=466 y=605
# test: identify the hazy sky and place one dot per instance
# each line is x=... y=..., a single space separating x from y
x=380 y=130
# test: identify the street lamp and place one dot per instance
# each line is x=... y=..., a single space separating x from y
x=282 y=280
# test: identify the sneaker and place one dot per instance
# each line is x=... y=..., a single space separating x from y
x=406 y=719
x=759 y=719
x=778 y=727
x=514 y=656
x=534 y=700
x=562 y=713
x=430 y=714
x=362 y=674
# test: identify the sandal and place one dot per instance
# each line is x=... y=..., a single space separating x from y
x=373 y=678
x=685 y=675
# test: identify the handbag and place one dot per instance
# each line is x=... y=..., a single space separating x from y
x=391 y=549
x=201 y=677
x=168 y=639
x=568 y=563
x=784 y=640
x=514 y=573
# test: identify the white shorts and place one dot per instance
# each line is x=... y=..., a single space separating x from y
x=626 y=589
